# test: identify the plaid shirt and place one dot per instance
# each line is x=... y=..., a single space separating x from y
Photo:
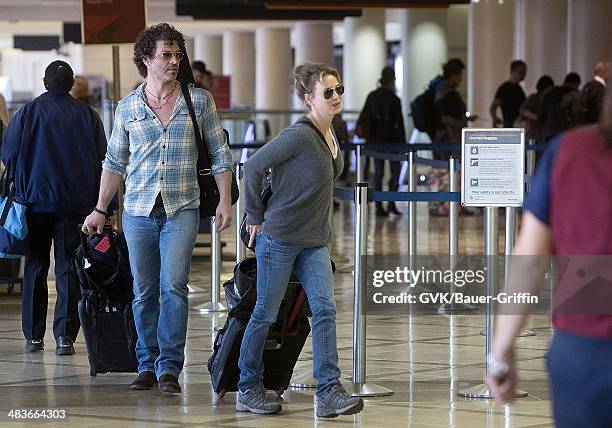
x=164 y=159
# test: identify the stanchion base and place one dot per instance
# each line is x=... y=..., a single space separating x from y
x=209 y=307
x=449 y=308
x=482 y=391
x=525 y=332
x=366 y=390
x=303 y=380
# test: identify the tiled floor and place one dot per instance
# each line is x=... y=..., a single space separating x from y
x=425 y=360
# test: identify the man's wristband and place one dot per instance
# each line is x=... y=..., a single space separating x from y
x=104 y=213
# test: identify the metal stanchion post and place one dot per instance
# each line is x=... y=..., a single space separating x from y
x=412 y=206
x=510 y=228
x=359 y=387
x=108 y=116
x=509 y=245
x=491 y=253
x=240 y=247
x=358 y=166
x=453 y=218
x=453 y=240
x=531 y=161
x=215 y=260
x=116 y=98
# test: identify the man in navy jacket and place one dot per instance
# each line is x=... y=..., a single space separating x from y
x=54 y=148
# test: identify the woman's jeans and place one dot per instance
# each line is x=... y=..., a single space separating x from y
x=160 y=258
x=580 y=370
x=275 y=262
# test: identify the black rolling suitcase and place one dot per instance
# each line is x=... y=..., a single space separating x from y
x=283 y=344
x=105 y=308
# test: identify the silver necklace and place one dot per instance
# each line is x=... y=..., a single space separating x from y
x=165 y=98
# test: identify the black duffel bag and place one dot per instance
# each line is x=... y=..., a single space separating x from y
x=241 y=291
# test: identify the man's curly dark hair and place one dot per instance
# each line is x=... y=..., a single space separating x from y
x=147 y=40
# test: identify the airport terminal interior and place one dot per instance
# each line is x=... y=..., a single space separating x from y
x=424 y=359
x=418 y=363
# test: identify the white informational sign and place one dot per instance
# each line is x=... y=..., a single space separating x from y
x=492 y=167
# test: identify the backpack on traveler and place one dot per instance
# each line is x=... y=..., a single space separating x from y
x=423 y=111
x=377 y=121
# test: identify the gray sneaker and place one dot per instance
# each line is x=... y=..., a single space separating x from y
x=256 y=401
x=338 y=402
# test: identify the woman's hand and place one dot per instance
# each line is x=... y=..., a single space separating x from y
x=252 y=229
x=501 y=378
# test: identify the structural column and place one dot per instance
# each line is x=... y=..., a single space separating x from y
x=239 y=64
x=424 y=49
x=209 y=48
x=365 y=54
x=314 y=42
x=490 y=51
x=589 y=35
x=273 y=74
x=98 y=59
x=540 y=39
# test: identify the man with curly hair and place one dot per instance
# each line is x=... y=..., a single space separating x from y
x=153 y=145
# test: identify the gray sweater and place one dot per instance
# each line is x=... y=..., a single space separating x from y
x=303 y=174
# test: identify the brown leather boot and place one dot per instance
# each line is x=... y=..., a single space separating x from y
x=144 y=381
x=169 y=384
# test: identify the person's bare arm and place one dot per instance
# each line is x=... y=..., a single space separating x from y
x=529 y=115
x=223 y=214
x=495 y=120
x=109 y=183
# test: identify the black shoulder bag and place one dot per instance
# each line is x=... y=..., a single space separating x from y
x=209 y=192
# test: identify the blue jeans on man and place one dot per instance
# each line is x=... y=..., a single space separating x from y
x=160 y=258
x=275 y=262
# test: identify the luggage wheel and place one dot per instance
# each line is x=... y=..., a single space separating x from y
x=280 y=391
x=221 y=394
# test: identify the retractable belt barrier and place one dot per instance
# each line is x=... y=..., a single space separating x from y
x=395 y=148
x=247 y=146
x=348 y=195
